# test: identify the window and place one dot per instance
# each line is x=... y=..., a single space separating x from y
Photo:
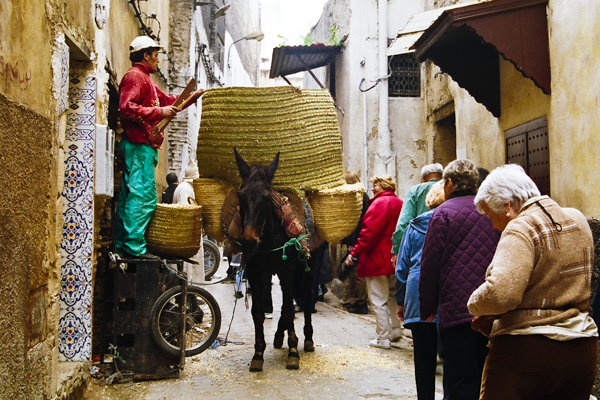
x=406 y=76
x=527 y=145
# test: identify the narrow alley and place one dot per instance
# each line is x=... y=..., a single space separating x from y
x=342 y=367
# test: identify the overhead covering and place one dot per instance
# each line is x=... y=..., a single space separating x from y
x=465 y=42
x=414 y=28
x=288 y=60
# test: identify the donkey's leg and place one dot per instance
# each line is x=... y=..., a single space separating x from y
x=287 y=317
x=308 y=297
x=258 y=316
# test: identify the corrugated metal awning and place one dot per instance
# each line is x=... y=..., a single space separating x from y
x=414 y=28
x=466 y=42
x=288 y=60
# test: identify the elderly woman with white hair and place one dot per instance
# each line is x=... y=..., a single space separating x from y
x=533 y=303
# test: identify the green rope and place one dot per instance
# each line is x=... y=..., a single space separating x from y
x=298 y=246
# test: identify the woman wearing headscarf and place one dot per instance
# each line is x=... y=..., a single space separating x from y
x=533 y=303
x=459 y=246
x=408 y=269
x=186 y=188
x=373 y=249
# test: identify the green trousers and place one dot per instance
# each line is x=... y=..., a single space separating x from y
x=137 y=200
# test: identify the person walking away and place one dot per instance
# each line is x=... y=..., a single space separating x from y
x=142 y=106
x=373 y=248
x=354 y=293
x=414 y=204
x=185 y=191
x=459 y=246
x=424 y=333
x=167 y=195
x=533 y=303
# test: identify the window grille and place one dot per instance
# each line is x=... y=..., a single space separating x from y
x=406 y=76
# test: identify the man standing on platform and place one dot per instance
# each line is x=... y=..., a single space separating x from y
x=142 y=106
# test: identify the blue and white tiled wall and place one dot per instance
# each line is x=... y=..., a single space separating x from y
x=75 y=325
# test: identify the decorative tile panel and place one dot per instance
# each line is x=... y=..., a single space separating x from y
x=75 y=325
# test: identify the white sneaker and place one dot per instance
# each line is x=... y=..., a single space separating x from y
x=381 y=343
x=268 y=315
x=396 y=334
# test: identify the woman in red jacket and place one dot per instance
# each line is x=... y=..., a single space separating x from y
x=373 y=249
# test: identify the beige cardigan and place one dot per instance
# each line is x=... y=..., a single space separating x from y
x=539 y=275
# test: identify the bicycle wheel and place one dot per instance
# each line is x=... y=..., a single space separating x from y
x=202 y=325
x=212 y=259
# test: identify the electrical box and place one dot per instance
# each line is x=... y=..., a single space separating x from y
x=105 y=153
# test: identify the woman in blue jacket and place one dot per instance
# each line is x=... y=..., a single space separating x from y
x=408 y=270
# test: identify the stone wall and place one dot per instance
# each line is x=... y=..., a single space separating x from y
x=25 y=253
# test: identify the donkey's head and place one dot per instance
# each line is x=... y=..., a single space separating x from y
x=254 y=195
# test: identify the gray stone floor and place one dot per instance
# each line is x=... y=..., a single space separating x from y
x=342 y=367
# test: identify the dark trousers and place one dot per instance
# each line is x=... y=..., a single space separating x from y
x=425 y=350
x=534 y=367
x=464 y=356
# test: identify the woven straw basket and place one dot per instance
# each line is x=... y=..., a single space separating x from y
x=259 y=122
x=175 y=230
x=210 y=194
x=337 y=211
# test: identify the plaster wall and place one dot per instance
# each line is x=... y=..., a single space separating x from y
x=478 y=134
x=24 y=73
x=574 y=120
x=407 y=126
x=243 y=18
x=357 y=24
x=33 y=172
x=520 y=100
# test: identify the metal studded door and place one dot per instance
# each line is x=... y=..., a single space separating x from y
x=527 y=145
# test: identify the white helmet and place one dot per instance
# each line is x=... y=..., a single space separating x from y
x=142 y=42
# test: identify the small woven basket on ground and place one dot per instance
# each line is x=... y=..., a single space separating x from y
x=210 y=194
x=259 y=122
x=175 y=230
x=337 y=211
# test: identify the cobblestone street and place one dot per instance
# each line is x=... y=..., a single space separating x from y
x=342 y=367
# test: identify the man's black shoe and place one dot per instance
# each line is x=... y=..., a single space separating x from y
x=238 y=295
x=358 y=309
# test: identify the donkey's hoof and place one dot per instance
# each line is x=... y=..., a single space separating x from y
x=309 y=346
x=278 y=342
x=257 y=364
x=293 y=361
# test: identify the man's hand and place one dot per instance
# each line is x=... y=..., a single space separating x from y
x=349 y=260
x=394 y=260
x=400 y=313
x=198 y=93
x=169 y=111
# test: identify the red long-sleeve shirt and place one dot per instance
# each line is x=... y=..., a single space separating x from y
x=141 y=102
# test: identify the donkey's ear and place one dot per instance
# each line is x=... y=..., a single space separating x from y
x=273 y=167
x=243 y=166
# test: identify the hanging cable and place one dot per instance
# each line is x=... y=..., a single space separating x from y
x=378 y=79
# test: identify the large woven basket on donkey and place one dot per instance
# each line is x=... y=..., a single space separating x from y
x=175 y=230
x=259 y=122
x=337 y=211
x=210 y=194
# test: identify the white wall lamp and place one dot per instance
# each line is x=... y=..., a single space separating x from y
x=220 y=10
x=258 y=36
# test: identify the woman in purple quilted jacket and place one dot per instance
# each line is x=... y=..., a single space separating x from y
x=459 y=246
